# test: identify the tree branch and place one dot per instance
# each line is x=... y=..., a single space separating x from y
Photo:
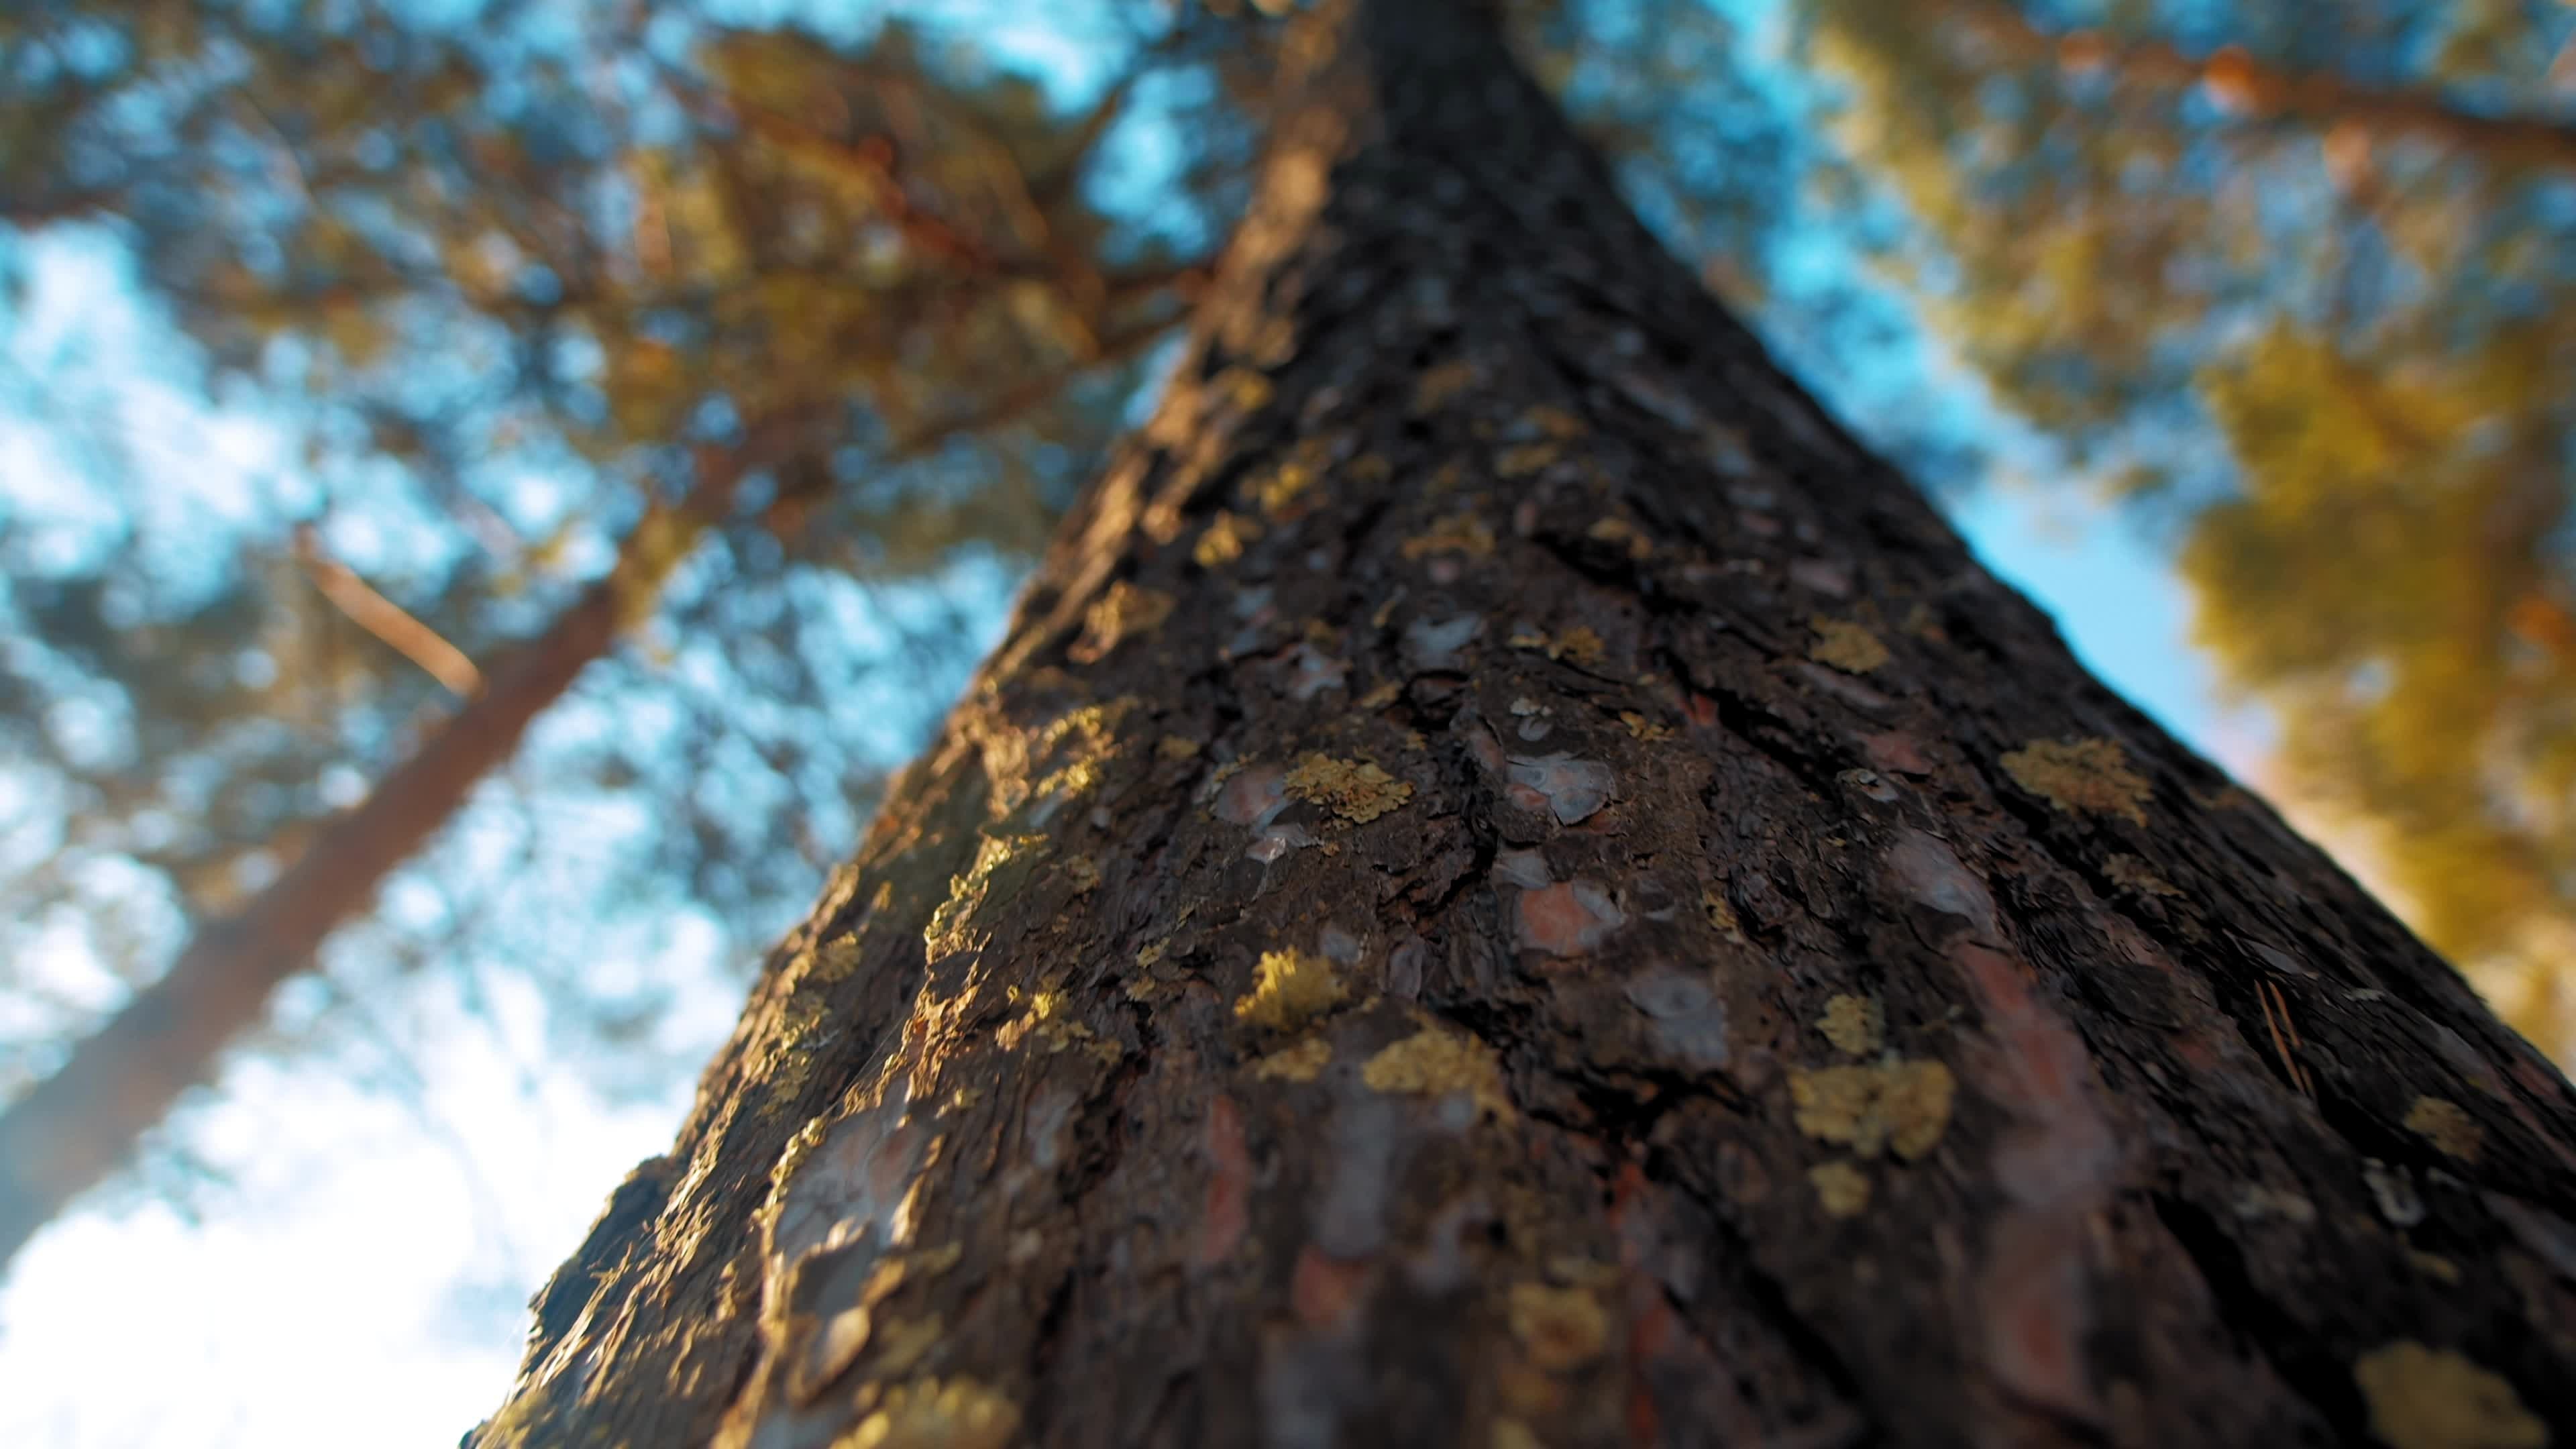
x=387 y=620
x=2248 y=86
x=78 y=1125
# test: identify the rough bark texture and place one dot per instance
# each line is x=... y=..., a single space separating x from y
x=1511 y=885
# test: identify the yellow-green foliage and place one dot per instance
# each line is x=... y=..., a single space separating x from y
x=2387 y=568
x=2386 y=583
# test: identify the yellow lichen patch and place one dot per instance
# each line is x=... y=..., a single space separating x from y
x=2132 y=874
x=2425 y=1398
x=1580 y=645
x=1278 y=488
x=1897 y=1104
x=1069 y=781
x=1439 y=386
x=1528 y=458
x=1559 y=1328
x=1721 y=915
x=1841 y=1189
x=1281 y=486
x=791 y=1064
x=1177 y=747
x=1049 y=1022
x=1300 y=1063
x=2080 y=775
x=1290 y=988
x=1854 y=1024
x=1583 y=1271
x=1846 y=646
x=836 y=958
x=1097 y=724
x=1224 y=539
x=957 y=1413
x=1087 y=734
x=2434 y=1265
x=1643 y=728
x=1382 y=696
x=1082 y=873
x=1123 y=613
x=1434 y=1063
x=951 y=925
x=1620 y=531
x=1459 y=533
x=1243 y=387
x=1556 y=422
x=1356 y=790
x=900 y=1343
x=2447 y=1126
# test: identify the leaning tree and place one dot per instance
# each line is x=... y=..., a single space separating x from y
x=1512 y=885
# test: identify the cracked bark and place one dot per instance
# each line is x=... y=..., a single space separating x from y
x=1764 y=993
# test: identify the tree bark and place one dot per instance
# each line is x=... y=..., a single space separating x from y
x=1511 y=885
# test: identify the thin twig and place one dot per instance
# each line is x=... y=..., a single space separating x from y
x=387 y=620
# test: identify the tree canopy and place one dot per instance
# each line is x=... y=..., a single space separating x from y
x=2300 y=286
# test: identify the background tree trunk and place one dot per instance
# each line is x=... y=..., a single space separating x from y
x=1511 y=885
x=74 y=1128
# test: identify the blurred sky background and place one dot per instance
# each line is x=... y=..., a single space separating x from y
x=2256 y=398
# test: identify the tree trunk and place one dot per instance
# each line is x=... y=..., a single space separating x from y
x=1511 y=885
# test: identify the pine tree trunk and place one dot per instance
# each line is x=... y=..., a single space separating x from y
x=1510 y=885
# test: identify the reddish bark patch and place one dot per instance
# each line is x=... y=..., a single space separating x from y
x=1327 y=1292
x=1896 y=753
x=2067 y=1154
x=1569 y=918
x=2037 y=1317
x=1228 y=1211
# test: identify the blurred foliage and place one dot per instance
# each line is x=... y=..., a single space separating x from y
x=501 y=275
x=490 y=281
x=2300 y=283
